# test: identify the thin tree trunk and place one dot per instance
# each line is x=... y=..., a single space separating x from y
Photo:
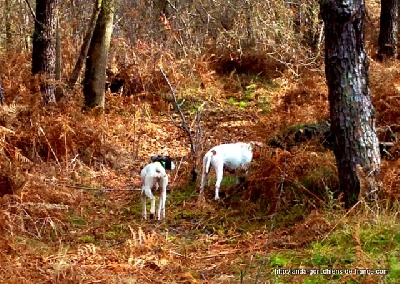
x=351 y=110
x=96 y=62
x=73 y=77
x=2 y=93
x=7 y=17
x=25 y=10
x=248 y=12
x=388 y=29
x=44 y=48
x=58 y=69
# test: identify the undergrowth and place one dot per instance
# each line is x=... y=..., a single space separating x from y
x=72 y=213
x=69 y=181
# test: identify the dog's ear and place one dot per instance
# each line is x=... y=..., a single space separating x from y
x=154 y=158
x=256 y=143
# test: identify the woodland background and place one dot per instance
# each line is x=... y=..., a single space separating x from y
x=242 y=71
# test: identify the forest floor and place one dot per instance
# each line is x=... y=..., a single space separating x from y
x=74 y=215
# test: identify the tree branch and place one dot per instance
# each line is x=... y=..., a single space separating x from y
x=184 y=126
x=30 y=9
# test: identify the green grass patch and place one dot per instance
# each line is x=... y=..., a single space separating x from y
x=117 y=231
x=77 y=220
x=37 y=245
x=86 y=239
x=394 y=267
x=340 y=253
x=183 y=194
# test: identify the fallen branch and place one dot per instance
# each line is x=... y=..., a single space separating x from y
x=48 y=181
x=48 y=206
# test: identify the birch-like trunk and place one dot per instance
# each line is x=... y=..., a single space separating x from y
x=96 y=62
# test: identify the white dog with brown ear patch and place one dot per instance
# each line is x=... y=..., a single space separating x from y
x=231 y=156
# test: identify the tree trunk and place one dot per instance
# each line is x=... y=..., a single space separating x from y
x=2 y=99
x=44 y=48
x=58 y=68
x=85 y=46
x=351 y=111
x=96 y=62
x=251 y=41
x=388 y=29
x=8 y=27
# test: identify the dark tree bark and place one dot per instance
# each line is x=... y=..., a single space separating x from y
x=2 y=99
x=351 y=110
x=44 y=47
x=162 y=8
x=96 y=62
x=85 y=45
x=388 y=29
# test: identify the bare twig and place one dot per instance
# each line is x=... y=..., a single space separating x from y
x=177 y=171
x=172 y=6
x=48 y=143
x=183 y=126
x=194 y=141
x=30 y=9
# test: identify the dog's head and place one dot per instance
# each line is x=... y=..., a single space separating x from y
x=254 y=145
x=165 y=161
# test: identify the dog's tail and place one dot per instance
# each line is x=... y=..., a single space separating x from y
x=207 y=160
x=147 y=191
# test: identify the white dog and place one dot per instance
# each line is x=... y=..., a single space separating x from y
x=230 y=156
x=154 y=176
